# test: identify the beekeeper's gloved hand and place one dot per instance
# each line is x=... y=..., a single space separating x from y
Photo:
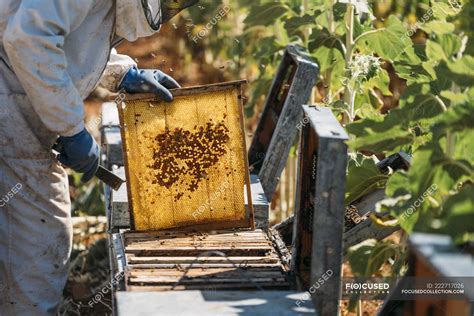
x=80 y=153
x=149 y=81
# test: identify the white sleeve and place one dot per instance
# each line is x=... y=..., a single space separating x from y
x=33 y=41
x=116 y=69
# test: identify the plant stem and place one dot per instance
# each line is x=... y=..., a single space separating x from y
x=348 y=90
x=306 y=29
x=450 y=139
x=330 y=17
x=331 y=29
x=306 y=34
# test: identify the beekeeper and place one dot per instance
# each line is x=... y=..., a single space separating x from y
x=52 y=55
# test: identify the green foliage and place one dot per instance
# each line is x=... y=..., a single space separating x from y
x=428 y=45
x=363 y=177
x=87 y=199
x=388 y=42
x=265 y=14
x=368 y=257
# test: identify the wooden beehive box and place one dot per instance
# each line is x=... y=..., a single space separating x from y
x=186 y=161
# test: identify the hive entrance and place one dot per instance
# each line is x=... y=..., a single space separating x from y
x=186 y=160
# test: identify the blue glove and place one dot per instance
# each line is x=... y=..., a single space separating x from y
x=149 y=81
x=80 y=153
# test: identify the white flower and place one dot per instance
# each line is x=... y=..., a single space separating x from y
x=364 y=67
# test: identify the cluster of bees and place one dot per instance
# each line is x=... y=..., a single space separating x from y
x=184 y=157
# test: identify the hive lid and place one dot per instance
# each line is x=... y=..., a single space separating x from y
x=186 y=161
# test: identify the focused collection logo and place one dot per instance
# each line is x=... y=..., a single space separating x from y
x=367 y=287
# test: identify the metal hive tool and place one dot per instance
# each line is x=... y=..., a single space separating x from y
x=186 y=161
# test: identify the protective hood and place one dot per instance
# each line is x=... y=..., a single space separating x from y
x=137 y=18
x=142 y=18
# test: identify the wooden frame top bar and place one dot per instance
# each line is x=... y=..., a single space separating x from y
x=324 y=122
x=186 y=91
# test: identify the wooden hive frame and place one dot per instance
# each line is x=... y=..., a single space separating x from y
x=248 y=221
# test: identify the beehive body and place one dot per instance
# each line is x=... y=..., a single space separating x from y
x=186 y=160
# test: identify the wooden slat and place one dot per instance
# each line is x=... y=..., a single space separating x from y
x=207 y=281
x=236 y=233
x=198 y=243
x=242 y=264
x=214 y=287
x=186 y=251
x=211 y=272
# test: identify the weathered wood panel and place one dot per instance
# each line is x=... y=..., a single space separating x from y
x=277 y=126
x=319 y=212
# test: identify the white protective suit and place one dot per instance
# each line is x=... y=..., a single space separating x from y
x=52 y=55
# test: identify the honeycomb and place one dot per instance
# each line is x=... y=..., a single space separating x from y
x=185 y=160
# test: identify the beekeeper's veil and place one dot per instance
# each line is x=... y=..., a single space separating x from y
x=142 y=18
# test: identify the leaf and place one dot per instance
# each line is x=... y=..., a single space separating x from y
x=458 y=213
x=464 y=148
x=442 y=10
x=450 y=43
x=397 y=184
x=457 y=118
x=381 y=82
x=265 y=14
x=379 y=142
x=269 y=46
x=320 y=38
x=413 y=73
x=387 y=42
x=454 y=98
x=293 y=24
x=328 y=58
x=408 y=222
x=438 y=27
x=364 y=107
x=363 y=177
x=339 y=9
x=435 y=51
x=358 y=256
x=368 y=257
x=423 y=106
x=464 y=69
